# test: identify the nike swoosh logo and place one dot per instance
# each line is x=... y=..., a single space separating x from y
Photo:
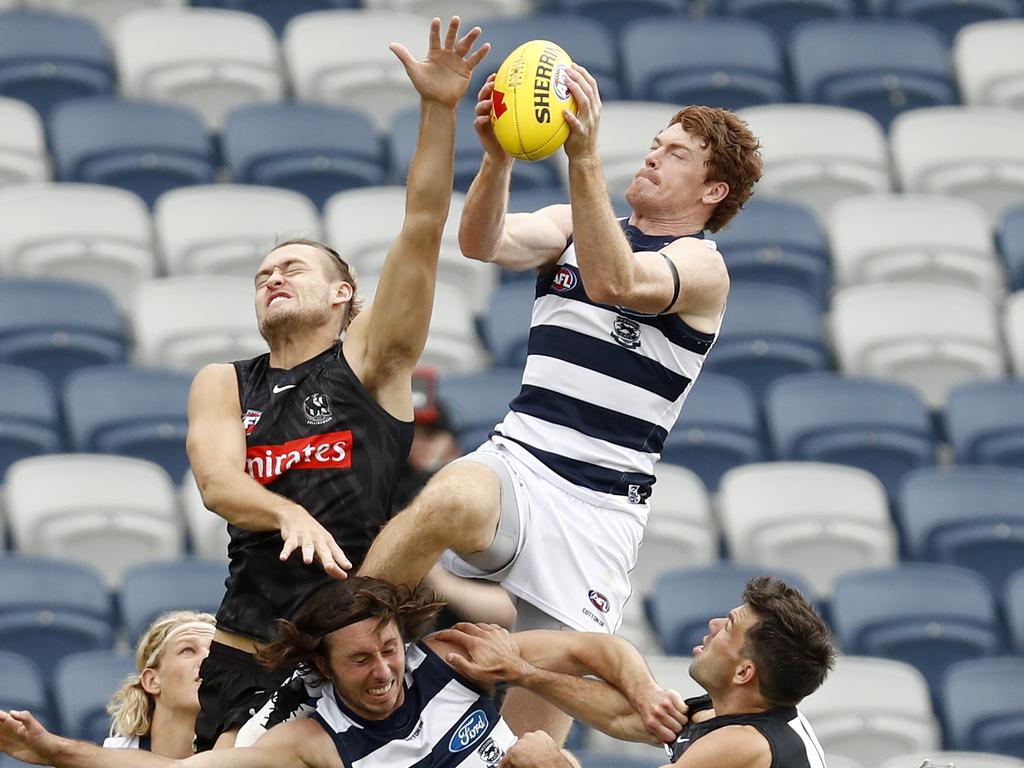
x=278 y=388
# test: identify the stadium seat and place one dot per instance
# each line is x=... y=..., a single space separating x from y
x=686 y=599
x=207 y=530
x=947 y=16
x=83 y=686
x=924 y=614
x=968 y=516
x=869 y=709
x=1011 y=243
x=985 y=422
x=452 y=343
x=47 y=58
x=777 y=242
x=445 y=9
x=1013 y=608
x=50 y=608
x=769 y=332
x=818 y=155
x=946 y=758
x=984 y=707
x=250 y=221
x=820 y=520
x=587 y=41
x=29 y=417
x=84 y=232
x=784 y=16
x=719 y=428
x=23 y=156
x=186 y=322
x=627 y=129
x=879 y=66
x=139 y=412
x=936 y=150
x=109 y=511
x=342 y=58
x=150 y=589
x=22 y=687
x=914 y=238
x=56 y=326
x=143 y=147
x=105 y=13
x=1013 y=329
x=882 y=427
x=931 y=337
x=313 y=149
x=476 y=402
x=986 y=56
x=615 y=14
x=158 y=58
x=506 y=326
x=680 y=528
x=274 y=12
x=721 y=62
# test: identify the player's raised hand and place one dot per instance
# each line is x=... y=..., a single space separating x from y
x=24 y=738
x=491 y=655
x=583 y=125
x=664 y=713
x=301 y=531
x=484 y=127
x=443 y=74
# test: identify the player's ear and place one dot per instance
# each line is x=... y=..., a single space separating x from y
x=344 y=293
x=715 y=192
x=150 y=681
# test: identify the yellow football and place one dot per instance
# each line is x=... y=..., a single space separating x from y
x=530 y=93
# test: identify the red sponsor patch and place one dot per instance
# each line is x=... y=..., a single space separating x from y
x=332 y=450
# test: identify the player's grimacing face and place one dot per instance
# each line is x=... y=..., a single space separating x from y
x=292 y=283
x=367 y=666
x=674 y=174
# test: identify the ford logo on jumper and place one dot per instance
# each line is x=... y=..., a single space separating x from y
x=469 y=731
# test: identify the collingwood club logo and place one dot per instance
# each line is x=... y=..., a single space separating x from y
x=317 y=408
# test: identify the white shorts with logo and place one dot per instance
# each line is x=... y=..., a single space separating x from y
x=573 y=557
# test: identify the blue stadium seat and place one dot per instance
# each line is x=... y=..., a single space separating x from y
x=985 y=422
x=468 y=152
x=276 y=13
x=929 y=616
x=685 y=599
x=23 y=687
x=52 y=608
x=592 y=759
x=475 y=402
x=29 y=416
x=150 y=589
x=83 y=685
x=143 y=147
x=784 y=16
x=47 y=58
x=879 y=426
x=984 y=705
x=1013 y=609
x=880 y=66
x=719 y=428
x=140 y=412
x=57 y=326
x=315 y=150
x=777 y=242
x=731 y=63
x=947 y=16
x=968 y=516
x=1011 y=244
x=769 y=332
x=506 y=326
x=615 y=14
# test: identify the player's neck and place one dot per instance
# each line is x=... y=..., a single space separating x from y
x=651 y=223
x=291 y=350
x=172 y=733
x=736 y=701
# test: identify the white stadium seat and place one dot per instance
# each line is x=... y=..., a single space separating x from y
x=989 y=65
x=870 y=709
x=445 y=9
x=109 y=511
x=106 y=13
x=819 y=520
x=249 y=221
x=970 y=152
x=932 y=337
x=1013 y=328
x=919 y=238
x=186 y=322
x=452 y=344
x=23 y=156
x=818 y=155
x=209 y=59
x=342 y=58
x=87 y=232
x=959 y=759
x=208 y=530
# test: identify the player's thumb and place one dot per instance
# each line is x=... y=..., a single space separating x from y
x=460 y=664
x=403 y=55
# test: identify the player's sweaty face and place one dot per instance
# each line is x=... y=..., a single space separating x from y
x=367 y=665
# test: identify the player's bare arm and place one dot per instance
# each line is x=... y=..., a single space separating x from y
x=516 y=241
x=733 y=746
x=216 y=451
x=384 y=344
x=538 y=750
x=612 y=274
x=299 y=744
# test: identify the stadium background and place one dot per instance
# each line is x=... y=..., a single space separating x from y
x=860 y=426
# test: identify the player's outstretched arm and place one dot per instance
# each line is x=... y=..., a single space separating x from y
x=216 y=450
x=386 y=342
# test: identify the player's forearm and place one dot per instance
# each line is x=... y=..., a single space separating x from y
x=483 y=216
x=429 y=186
x=243 y=502
x=616 y=661
x=80 y=754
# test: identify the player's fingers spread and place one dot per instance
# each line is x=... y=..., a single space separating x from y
x=481 y=53
x=338 y=554
x=466 y=42
x=453 y=32
x=434 y=38
x=290 y=544
x=403 y=55
x=308 y=550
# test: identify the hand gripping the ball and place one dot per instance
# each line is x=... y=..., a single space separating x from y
x=483 y=125
x=583 y=124
x=443 y=74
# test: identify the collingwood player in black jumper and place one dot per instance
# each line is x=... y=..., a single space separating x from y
x=302 y=446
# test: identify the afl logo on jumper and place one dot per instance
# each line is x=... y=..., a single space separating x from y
x=599 y=601
x=250 y=420
x=626 y=332
x=317 y=408
x=469 y=732
x=564 y=280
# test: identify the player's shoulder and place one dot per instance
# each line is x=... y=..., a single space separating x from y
x=731 y=746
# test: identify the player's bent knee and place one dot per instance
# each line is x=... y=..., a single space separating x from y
x=463 y=502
